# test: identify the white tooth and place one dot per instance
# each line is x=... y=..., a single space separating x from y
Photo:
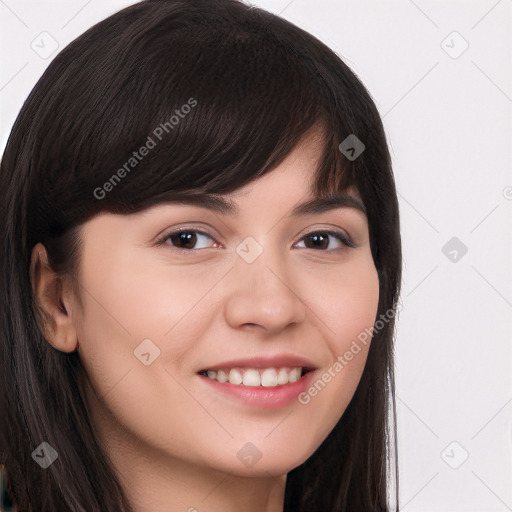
x=235 y=377
x=251 y=378
x=269 y=377
x=221 y=376
x=282 y=376
x=294 y=375
x=212 y=374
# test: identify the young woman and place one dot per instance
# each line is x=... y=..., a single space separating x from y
x=200 y=266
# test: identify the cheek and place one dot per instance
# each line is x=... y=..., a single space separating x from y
x=345 y=301
x=139 y=296
x=348 y=308
x=353 y=305
x=128 y=322
x=135 y=314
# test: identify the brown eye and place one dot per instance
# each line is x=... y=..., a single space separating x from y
x=188 y=240
x=183 y=240
x=322 y=240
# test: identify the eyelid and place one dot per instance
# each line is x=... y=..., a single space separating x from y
x=165 y=236
x=340 y=235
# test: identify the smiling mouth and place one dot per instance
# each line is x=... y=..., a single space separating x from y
x=263 y=377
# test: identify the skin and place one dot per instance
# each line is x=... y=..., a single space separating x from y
x=171 y=438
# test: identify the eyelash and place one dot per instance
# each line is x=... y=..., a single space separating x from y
x=336 y=234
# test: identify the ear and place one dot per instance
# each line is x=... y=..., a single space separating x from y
x=54 y=302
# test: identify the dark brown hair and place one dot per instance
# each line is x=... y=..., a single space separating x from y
x=254 y=84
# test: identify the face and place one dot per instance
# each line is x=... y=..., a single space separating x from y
x=262 y=296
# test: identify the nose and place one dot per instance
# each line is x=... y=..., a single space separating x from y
x=262 y=293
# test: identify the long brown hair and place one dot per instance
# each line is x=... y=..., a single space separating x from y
x=254 y=83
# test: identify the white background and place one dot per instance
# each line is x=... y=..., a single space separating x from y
x=448 y=118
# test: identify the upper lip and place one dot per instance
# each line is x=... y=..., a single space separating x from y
x=277 y=361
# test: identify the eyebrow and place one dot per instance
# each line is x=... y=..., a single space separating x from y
x=316 y=205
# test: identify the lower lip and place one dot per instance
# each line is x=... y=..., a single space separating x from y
x=260 y=396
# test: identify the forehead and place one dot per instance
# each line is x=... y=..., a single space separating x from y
x=292 y=181
x=288 y=186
